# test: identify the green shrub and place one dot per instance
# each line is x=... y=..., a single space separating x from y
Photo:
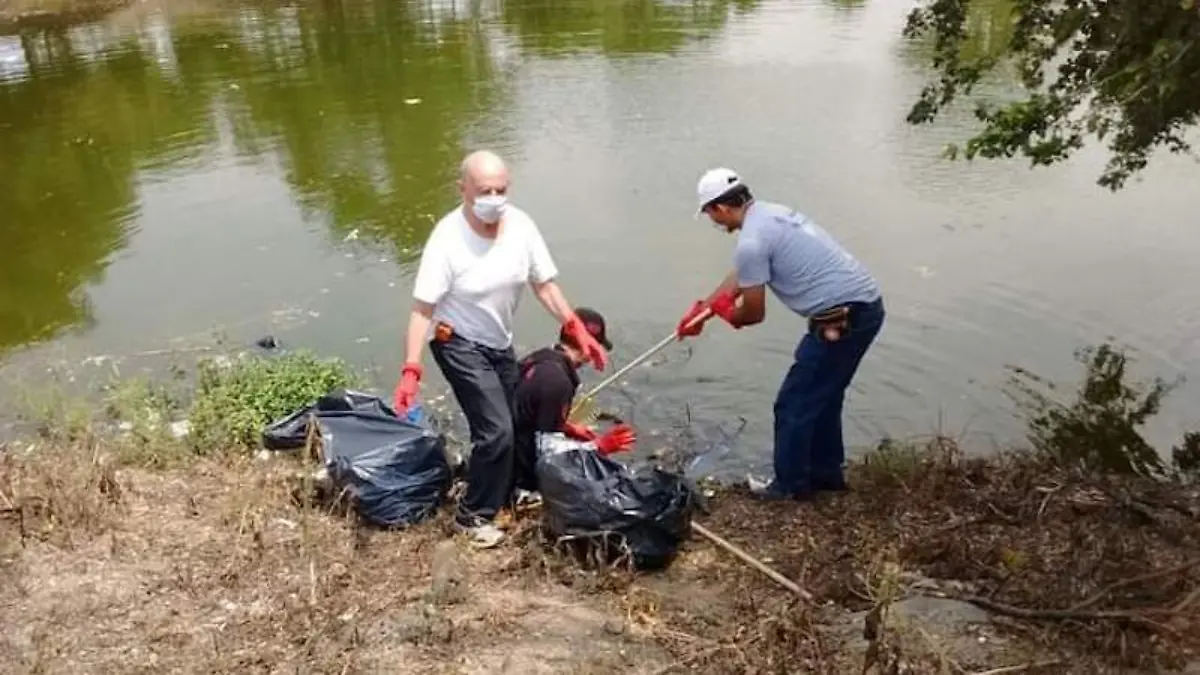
x=1099 y=430
x=143 y=411
x=1186 y=456
x=894 y=463
x=234 y=402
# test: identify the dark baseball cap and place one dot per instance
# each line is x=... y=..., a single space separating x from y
x=594 y=322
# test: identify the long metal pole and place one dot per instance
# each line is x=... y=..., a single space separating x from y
x=642 y=358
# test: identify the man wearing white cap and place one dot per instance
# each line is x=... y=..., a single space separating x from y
x=812 y=275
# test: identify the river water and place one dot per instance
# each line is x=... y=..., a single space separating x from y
x=256 y=168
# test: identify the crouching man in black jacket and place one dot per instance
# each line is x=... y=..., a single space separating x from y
x=549 y=378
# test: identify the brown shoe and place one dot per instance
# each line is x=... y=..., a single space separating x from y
x=504 y=519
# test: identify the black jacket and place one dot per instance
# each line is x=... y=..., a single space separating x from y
x=543 y=399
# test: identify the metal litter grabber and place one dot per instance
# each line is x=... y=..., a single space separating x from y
x=583 y=409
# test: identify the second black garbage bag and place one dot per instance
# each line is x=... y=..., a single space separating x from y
x=395 y=470
x=585 y=495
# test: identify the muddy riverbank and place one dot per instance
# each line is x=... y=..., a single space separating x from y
x=133 y=542
x=932 y=564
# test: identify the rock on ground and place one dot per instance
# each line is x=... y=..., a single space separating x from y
x=953 y=629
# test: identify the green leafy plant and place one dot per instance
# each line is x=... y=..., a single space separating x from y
x=56 y=415
x=1099 y=430
x=235 y=401
x=1122 y=71
x=1186 y=457
x=905 y=463
x=143 y=411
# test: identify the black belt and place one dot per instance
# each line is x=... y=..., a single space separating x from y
x=832 y=323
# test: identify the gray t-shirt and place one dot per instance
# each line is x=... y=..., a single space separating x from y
x=805 y=267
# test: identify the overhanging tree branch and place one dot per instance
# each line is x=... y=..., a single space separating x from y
x=1122 y=72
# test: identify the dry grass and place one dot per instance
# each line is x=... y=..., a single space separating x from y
x=222 y=563
x=220 y=566
x=1103 y=571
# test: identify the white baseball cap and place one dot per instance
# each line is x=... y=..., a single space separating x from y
x=713 y=184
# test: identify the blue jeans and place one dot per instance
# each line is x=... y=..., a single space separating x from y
x=808 y=410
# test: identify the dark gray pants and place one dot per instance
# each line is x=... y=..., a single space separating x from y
x=484 y=381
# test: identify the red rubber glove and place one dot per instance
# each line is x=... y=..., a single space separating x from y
x=688 y=329
x=407 y=388
x=618 y=439
x=723 y=306
x=578 y=432
x=588 y=344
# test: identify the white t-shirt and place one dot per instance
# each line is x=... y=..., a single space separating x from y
x=475 y=283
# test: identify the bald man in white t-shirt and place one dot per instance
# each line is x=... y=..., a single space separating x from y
x=473 y=270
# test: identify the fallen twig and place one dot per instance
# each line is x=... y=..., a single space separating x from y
x=1002 y=515
x=1188 y=600
x=1050 y=492
x=691 y=659
x=1133 y=580
x=1018 y=668
x=1058 y=614
x=753 y=562
x=959 y=523
x=1178 y=508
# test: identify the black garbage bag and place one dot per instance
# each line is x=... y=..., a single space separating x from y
x=586 y=495
x=396 y=471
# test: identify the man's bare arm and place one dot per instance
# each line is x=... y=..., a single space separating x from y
x=418 y=327
x=551 y=296
x=752 y=307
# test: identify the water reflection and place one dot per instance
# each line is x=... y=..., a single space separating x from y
x=615 y=27
x=850 y=5
x=73 y=133
x=989 y=27
x=228 y=151
x=921 y=148
x=366 y=106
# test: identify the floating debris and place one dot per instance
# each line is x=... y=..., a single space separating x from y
x=180 y=429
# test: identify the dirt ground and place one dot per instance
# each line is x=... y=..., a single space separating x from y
x=933 y=564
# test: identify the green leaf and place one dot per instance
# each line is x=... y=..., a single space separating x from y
x=1119 y=72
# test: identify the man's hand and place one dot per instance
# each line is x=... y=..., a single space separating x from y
x=587 y=344
x=693 y=322
x=551 y=297
x=578 y=432
x=618 y=439
x=407 y=388
x=721 y=304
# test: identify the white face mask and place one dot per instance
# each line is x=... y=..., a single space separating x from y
x=489 y=208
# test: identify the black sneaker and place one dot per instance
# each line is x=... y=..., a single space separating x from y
x=835 y=485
